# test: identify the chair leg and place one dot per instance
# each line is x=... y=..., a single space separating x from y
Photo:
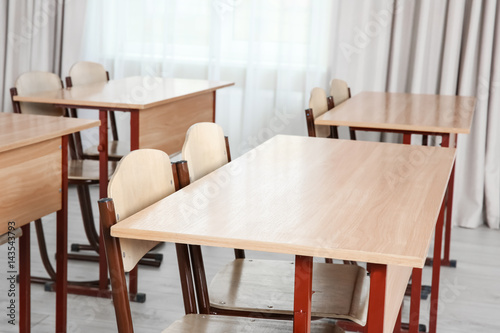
x=425 y=139
x=352 y=134
x=239 y=254
x=88 y=221
x=42 y=246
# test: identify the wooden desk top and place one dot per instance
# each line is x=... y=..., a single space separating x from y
x=18 y=130
x=363 y=201
x=136 y=92
x=397 y=111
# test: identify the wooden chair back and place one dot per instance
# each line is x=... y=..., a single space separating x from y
x=141 y=178
x=37 y=82
x=86 y=72
x=339 y=91
x=317 y=106
x=204 y=149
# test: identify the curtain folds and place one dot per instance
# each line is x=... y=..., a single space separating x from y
x=276 y=52
x=30 y=33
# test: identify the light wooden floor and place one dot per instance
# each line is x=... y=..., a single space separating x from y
x=469 y=297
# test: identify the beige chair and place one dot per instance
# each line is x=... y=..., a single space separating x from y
x=318 y=104
x=206 y=149
x=142 y=178
x=86 y=72
x=339 y=93
x=81 y=173
x=265 y=287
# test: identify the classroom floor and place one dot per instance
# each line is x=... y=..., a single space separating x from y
x=469 y=295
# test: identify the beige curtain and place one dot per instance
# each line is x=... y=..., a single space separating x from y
x=276 y=52
x=436 y=47
x=31 y=40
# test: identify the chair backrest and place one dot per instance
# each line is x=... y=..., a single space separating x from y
x=204 y=149
x=339 y=91
x=37 y=82
x=86 y=72
x=319 y=105
x=141 y=178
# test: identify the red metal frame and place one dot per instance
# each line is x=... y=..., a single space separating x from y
x=213 y=107
x=416 y=286
x=24 y=281
x=447 y=237
x=376 y=305
x=436 y=270
x=62 y=245
x=302 y=294
x=134 y=130
x=103 y=182
x=397 y=325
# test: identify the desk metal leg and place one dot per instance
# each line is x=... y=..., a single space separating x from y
x=134 y=144
x=436 y=270
x=376 y=306
x=103 y=187
x=62 y=246
x=447 y=237
x=407 y=138
x=446 y=261
x=24 y=281
x=397 y=325
x=416 y=284
x=302 y=294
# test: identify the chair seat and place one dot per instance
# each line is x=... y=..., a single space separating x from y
x=224 y=324
x=116 y=150
x=87 y=170
x=339 y=291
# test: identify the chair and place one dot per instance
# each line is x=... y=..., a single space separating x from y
x=81 y=173
x=339 y=93
x=264 y=287
x=318 y=104
x=86 y=72
x=143 y=177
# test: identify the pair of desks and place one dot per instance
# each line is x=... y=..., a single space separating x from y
x=394 y=251
x=372 y=202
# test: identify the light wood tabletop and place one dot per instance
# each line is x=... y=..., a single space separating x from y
x=314 y=197
x=364 y=201
x=403 y=112
x=18 y=130
x=138 y=92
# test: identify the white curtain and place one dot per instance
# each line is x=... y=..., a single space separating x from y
x=276 y=51
x=30 y=35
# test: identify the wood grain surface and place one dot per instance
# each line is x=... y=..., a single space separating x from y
x=405 y=112
x=362 y=201
x=138 y=92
